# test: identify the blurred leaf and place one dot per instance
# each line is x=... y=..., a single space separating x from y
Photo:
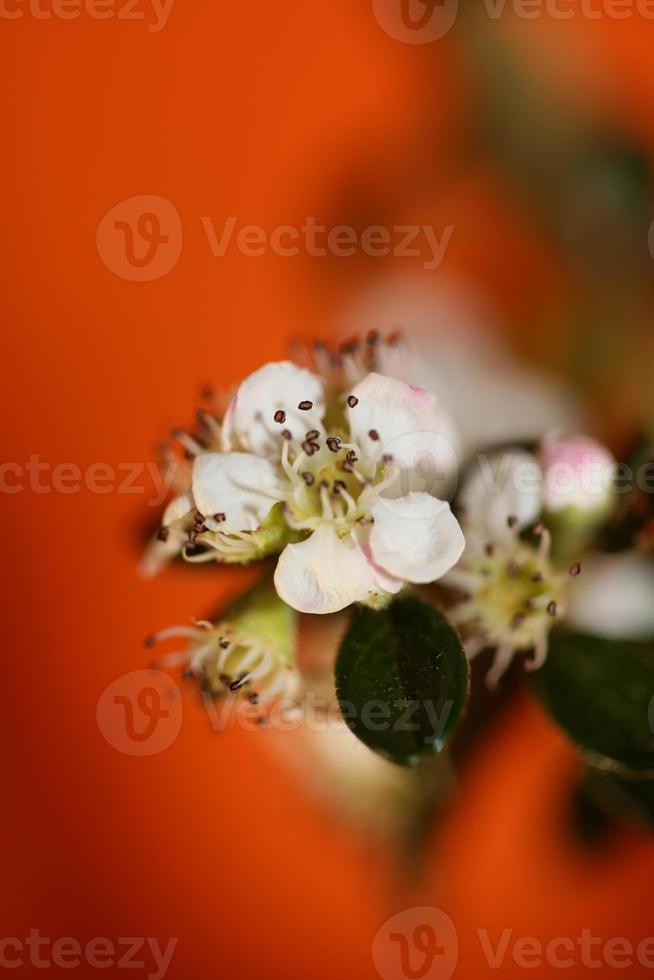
x=600 y=693
x=402 y=679
x=624 y=799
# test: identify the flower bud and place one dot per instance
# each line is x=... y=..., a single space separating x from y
x=578 y=478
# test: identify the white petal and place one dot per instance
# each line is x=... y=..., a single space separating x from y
x=613 y=597
x=410 y=427
x=502 y=485
x=416 y=537
x=238 y=485
x=281 y=386
x=323 y=574
x=178 y=508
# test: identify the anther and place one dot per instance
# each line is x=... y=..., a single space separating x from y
x=253 y=698
x=537 y=577
x=219 y=518
x=490 y=549
x=387 y=458
x=538 y=527
x=351 y=456
x=280 y=416
x=223 y=643
x=305 y=406
x=308 y=478
x=518 y=620
x=352 y=401
x=374 y=435
x=372 y=337
x=334 y=443
x=225 y=679
x=286 y=434
x=236 y=685
x=310 y=447
x=312 y=434
x=513 y=568
x=149 y=640
x=511 y=521
x=339 y=485
x=575 y=569
x=163 y=533
x=552 y=608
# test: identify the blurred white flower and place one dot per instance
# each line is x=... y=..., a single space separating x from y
x=454 y=349
x=614 y=597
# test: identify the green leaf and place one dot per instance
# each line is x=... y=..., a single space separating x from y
x=600 y=693
x=402 y=679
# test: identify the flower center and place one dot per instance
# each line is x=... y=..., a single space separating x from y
x=518 y=595
x=328 y=478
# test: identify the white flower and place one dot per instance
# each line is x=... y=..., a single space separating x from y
x=348 y=478
x=513 y=591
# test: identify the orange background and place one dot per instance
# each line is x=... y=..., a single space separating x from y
x=268 y=112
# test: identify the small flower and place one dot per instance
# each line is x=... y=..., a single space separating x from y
x=578 y=475
x=339 y=488
x=249 y=653
x=513 y=591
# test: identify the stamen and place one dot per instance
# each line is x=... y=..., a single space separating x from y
x=308 y=478
x=334 y=443
x=352 y=401
x=374 y=435
x=552 y=608
x=310 y=447
x=575 y=569
x=312 y=435
x=280 y=416
x=305 y=406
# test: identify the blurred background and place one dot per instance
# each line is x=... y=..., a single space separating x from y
x=136 y=136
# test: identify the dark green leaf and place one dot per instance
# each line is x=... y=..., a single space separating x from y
x=402 y=679
x=600 y=692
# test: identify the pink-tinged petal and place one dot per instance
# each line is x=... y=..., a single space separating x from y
x=275 y=388
x=579 y=472
x=395 y=419
x=323 y=574
x=178 y=508
x=416 y=538
x=613 y=597
x=502 y=485
x=239 y=486
x=384 y=581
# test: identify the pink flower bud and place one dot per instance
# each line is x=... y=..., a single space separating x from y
x=578 y=473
